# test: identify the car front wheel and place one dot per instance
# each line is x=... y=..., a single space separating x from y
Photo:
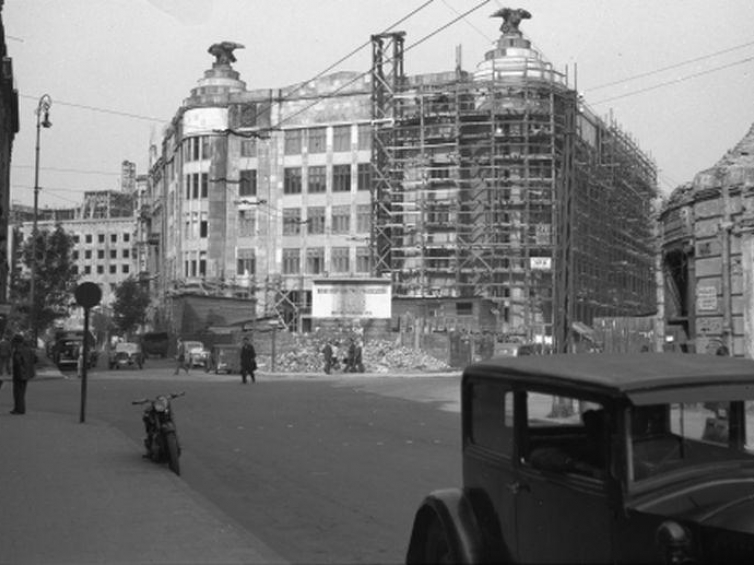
x=437 y=549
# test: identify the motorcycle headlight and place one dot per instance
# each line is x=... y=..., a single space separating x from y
x=161 y=404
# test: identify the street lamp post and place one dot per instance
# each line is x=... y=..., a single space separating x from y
x=42 y=107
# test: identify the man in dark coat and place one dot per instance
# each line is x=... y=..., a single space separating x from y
x=248 y=361
x=22 y=367
x=328 y=354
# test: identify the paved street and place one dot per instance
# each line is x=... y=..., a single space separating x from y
x=326 y=471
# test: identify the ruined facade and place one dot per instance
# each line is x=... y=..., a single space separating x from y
x=708 y=257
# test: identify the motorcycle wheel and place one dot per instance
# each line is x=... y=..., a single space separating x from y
x=173 y=452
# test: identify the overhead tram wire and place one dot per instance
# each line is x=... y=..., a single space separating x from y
x=102 y=110
x=671 y=67
x=371 y=69
x=675 y=81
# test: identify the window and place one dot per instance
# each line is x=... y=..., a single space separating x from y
x=247 y=223
x=113 y=269
x=363 y=260
x=188 y=181
x=341 y=138
x=317 y=140
x=125 y=269
x=341 y=178
x=363 y=176
x=247 y=182
x=315 y=260
x=246 y=263
x=317 y=181
x=88 y=254
x=126 y=237
x=292 y=142
x=76 y=239
x=339 y=260
x=248 y=148
x=292 y=180
x=113 y=254
x=113 y=238
x=195 y=185
x=202 y=264
x=315 y=218
x=341 y=219
x=126 y=253
x=203 y=228
x=75 y=255
x=196 y=148
x=565 y=434
x=100 y=254
x=204 y=191
x=101 y=237
x=100 y=269
x=363 y=218
x=464 y=309
x=365 y=137
x=87 y=269
x=291 y=221
x=491 y=417
x=291 y=261
x=88 y=238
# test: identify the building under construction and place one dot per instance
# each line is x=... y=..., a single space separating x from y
x=494 y=200
x=501 y=202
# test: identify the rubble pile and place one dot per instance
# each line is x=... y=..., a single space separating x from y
x=304 y=355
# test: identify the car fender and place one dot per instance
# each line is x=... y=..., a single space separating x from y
x=455 y=513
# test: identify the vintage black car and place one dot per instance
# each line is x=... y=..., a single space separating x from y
x=599 y=458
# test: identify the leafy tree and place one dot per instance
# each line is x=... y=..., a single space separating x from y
x=55 y=280
x=130 y=305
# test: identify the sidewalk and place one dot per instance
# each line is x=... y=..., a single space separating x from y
x=73 y=493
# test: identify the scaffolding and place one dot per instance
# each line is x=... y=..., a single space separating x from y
x=510 y=190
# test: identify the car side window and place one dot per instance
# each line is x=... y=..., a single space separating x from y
x=491 y=418
x=566 y=435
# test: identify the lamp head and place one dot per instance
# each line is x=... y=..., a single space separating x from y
x=46 y=123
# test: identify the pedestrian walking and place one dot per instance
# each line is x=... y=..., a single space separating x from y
x=5 y=351
x=351 y=357
x=22 y=366
x=328 y=355
x=358 y=361
x=180 y=358
x=248 y=361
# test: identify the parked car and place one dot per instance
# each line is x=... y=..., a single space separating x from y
x=155 y=343
x=599 y=458
x=196 y=353
x=126 y=354
x=65 y=345
x=514 y=349
x=224 y=358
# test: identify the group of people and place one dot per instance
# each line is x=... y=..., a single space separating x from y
x=18 y=360
x=352 y=362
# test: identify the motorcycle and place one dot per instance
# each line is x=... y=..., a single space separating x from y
x=161 y=440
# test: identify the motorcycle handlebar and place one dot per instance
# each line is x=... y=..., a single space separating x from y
x=171 y=396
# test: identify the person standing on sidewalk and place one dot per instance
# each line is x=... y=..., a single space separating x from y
x=180 y=358
x=4 y=357
x=328 y=355
x=248 y=361
x=22 y=363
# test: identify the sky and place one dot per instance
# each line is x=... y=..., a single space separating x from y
x=677 y=75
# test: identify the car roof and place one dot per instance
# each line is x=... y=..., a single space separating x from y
x=642 y=377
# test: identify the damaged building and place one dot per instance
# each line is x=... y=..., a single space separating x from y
x=494 y=200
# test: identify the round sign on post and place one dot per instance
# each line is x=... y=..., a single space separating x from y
x=88 y=294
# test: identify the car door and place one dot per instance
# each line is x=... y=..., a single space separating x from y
x=562 y=508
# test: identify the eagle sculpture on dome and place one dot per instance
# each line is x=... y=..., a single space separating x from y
x=511 y=19
x=223 y=52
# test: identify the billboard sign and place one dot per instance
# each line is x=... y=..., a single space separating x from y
x=351 y=298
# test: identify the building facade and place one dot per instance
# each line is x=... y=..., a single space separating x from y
x=9 y=125
x=494 y=200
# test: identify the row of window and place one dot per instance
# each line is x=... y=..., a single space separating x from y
x=87 y=253
x=125 y=237
x=314 y=140
x=100 y=269
x=316 y=178
x=197 y=184
x=295 y=141
x=340 y=220
x=314 y=257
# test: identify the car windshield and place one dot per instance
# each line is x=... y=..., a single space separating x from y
x=669 y=437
